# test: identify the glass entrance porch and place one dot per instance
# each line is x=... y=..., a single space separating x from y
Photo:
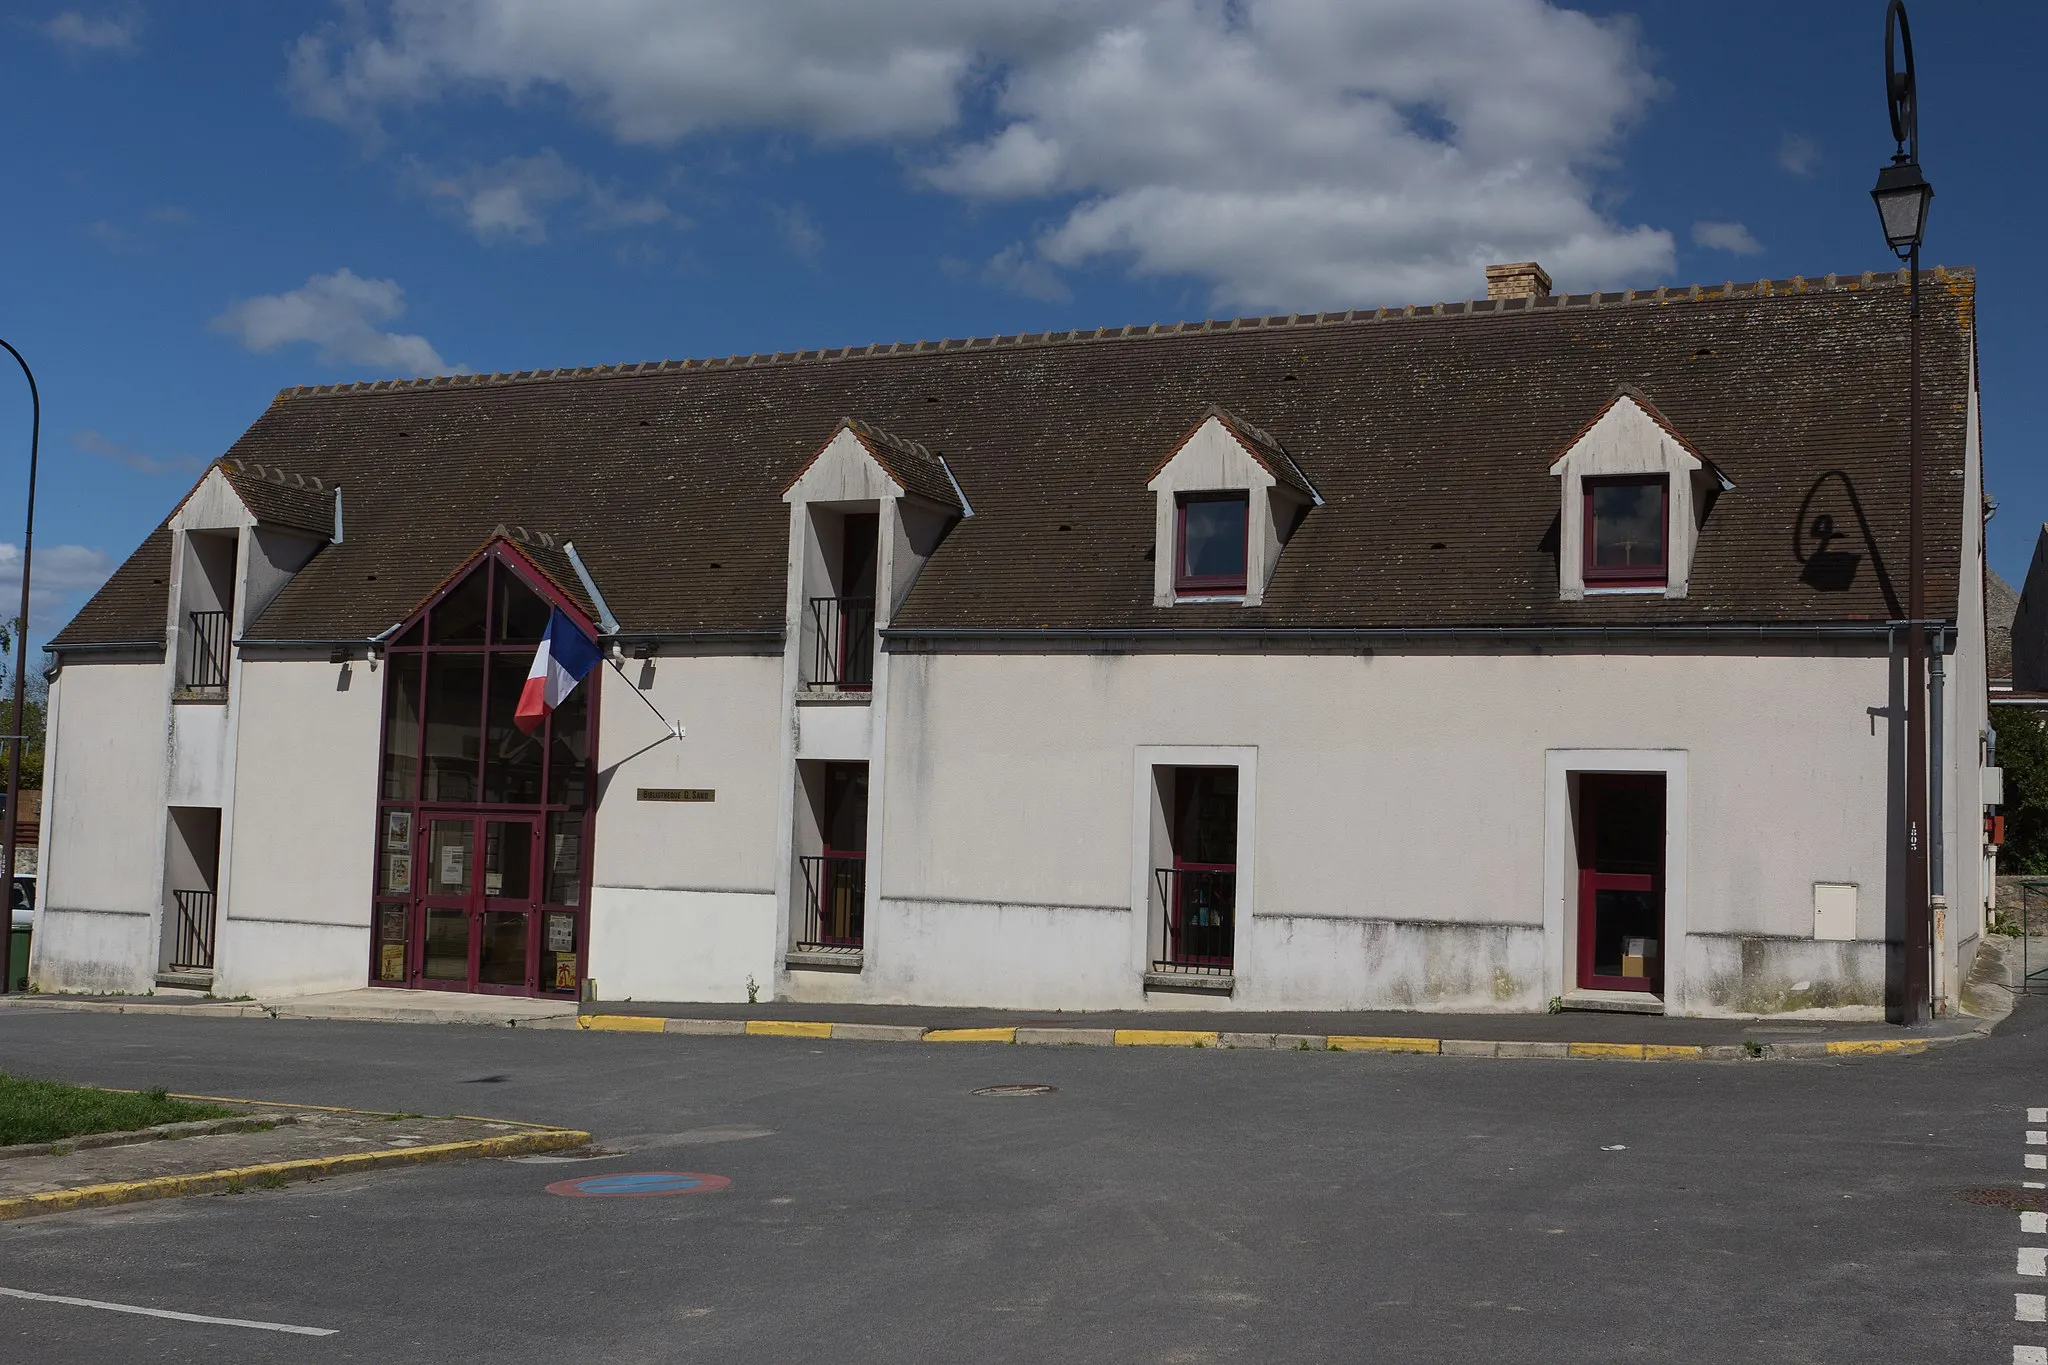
x=483 y=869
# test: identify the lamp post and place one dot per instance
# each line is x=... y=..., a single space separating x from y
x=1902 y=196
x=19 y=738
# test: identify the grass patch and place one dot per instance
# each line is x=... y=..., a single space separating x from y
x=49 y=1111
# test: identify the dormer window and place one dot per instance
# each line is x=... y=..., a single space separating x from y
x=1211 y=538
x=1627 y=531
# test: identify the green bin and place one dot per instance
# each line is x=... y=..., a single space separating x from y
x=17 y=957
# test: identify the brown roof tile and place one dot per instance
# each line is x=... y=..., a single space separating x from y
x=1430 y=431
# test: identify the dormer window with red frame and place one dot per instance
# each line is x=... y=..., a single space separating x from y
x=1627 y=532
x=1212 y=531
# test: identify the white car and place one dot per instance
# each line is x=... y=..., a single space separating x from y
x=22 y=901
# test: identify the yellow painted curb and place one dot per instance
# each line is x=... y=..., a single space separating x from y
x=1876 y=1047
x=1164 y=1037
x=1672 y=1052
x=1358 y=1042
x=622 y=1023
x=1627 y=1051
x=305 y=1168
x=971 y=1035
x=787 y=1028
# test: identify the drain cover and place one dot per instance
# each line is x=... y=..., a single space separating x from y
x=2030 y=1201
x=1016 y=1090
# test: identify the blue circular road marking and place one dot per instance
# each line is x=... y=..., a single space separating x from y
x=638 y=1185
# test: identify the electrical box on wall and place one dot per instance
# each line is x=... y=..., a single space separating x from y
x=1834 y=910
x=1994 y=786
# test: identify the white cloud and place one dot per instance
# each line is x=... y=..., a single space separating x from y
x=1726 y=237
x=71 y=30
x=1294 y=153
x=92 y=442
x=801 y=235
x=1798 y=154
x=1014 y=268
x=63 y=576
x=513 y=200
x=339 y=314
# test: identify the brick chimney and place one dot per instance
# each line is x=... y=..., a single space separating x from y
x=1519 y=280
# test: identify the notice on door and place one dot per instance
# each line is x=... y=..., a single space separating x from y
x=451 y=865
x=391 y=962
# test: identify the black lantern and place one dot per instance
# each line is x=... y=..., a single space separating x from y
x=1902 y=195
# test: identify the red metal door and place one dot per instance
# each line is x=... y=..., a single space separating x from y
x=1621 y=882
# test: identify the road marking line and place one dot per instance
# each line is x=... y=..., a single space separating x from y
x=2038 y=1138
x=622 y=1023
x=2034 y=1261
x=167 y=1313
x=1164 y=1037
x=2030 y=1308
x=2030 y=1355
x=1360 y=1042
x=787 y=1028
x=2037 y=1116
x=2037 y=1161
x=2034 y=1222
x=971 y=1035
x=2033 y=1185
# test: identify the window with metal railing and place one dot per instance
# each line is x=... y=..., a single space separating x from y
x=206 y=664
x=192 y=943
x=842 y=644
x=835 y=902
x=1199 y=903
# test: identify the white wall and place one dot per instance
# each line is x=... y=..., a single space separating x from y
x=298 y=838
x=1392 y=788
x=101 y=886
x=684 y=902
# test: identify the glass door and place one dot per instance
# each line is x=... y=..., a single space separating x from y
x=508 y=900
x=447 y=909
x=1621 y=882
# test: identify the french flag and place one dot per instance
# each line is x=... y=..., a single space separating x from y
x=565 y=658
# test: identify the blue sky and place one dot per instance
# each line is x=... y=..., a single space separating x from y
x=209 y=203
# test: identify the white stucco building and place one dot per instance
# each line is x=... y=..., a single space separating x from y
x=1457 y=658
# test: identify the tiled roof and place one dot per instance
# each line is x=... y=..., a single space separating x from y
x=914 y=468
x=277 y=497
x=1429 y=431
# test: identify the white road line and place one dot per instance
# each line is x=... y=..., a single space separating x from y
x=2037 y=1161
x=2034 y=1185
x=2030 y=1308
x=2037 y=1116
x=2030 y=1355
x=2034 y=1222
x=2034 y=1260
x=180 y=1317
x=2037 y=1137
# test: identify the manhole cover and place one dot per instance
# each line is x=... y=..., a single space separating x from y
x=2028 y=1201
x=1016 y=1090
x=638 y=1185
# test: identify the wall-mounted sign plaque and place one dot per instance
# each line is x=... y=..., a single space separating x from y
x=678 y=794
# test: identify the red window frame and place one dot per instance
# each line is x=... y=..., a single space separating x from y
x=1632 y=575
x=1207 y=584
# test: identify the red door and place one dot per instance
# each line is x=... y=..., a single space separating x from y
x=1621 y=882
x=478 y=917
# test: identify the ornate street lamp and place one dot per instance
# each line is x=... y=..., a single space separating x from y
x=18 y=741
x=1902 y=195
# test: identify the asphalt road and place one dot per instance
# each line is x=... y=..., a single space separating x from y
x=1164 y=1205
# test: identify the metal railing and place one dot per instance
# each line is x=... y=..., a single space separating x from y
x=835 y=901
x=1200 y=904
x=842 y=643
x=192 y=946
x=206 y=670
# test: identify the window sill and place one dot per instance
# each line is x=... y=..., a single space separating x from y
x=1631 y=590
x=833 y=696
x=828 y=959
x=1208 y=980
x=1185 y=599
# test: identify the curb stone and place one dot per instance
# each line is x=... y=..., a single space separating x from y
x=304 y=1168
x=1273 y=1042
